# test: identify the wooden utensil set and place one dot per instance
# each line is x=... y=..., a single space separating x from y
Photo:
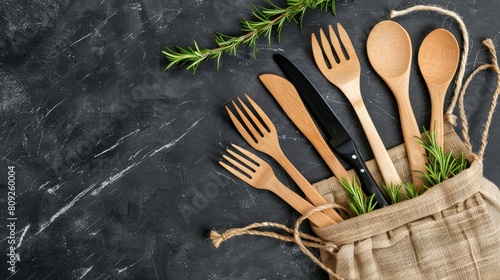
x=389 y=52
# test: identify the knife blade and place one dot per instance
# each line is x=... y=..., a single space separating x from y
x=336 y=135
x=288 y=98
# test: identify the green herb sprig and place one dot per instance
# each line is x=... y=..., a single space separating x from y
x=359 y=202
x=440 y=165
x=407 y=189
x=411 y=191
x=394 y=192
x=266 y=19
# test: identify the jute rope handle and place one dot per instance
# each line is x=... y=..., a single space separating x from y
x=460 y=89
x=329 y=246
x=305 y=241
x=465 y=125
x=253 y=229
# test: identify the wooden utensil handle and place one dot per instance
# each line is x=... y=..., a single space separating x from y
x=300 y=204
x=437 y=119
x=415 y=152
x=384 y=162
x=311 y=193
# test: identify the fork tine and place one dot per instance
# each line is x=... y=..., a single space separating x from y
x=240 y=126
x=248 y=164
x=346 y=41
x=262 y=115
x=238 y=165
x=318 y=54
x=249 y=154
x=236 y=173
x=336 y=44
x=255 y=120
x=327 y=49
x=247 y=122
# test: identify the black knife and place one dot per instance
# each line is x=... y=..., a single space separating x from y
x=336 y=135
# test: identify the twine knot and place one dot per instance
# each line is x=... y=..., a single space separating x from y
x=451 y=118
x=331 y=247
x=217 y=238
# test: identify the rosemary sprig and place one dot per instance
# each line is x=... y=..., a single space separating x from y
x=440 y=165
x=411 y=191
x=266 y=18
x=359 y=202
x=394 y=192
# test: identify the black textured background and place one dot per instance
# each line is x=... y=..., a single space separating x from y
x=116 y=160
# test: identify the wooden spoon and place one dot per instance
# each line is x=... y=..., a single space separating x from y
x=438 y=61
x=389 y=51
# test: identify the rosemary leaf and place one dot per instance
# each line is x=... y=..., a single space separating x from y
x=411 y=191
x=393 y=191
x=359 y=202
x=440 y=166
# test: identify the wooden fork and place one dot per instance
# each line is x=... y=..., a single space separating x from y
x=345 y=74
x=263 y=137
x=260 y=175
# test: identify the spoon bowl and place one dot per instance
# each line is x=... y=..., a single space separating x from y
x=390 y=53
x=438 y=58
x=389 y=50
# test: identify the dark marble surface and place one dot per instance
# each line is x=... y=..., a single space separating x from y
x=116 y=160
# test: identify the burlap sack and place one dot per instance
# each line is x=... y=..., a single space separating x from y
x=450 y=232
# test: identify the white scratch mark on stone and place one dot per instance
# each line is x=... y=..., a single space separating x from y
x=135 y=155
x=54 y=189
x=86 y=76
x=22 y=236
x=127 y=267
x=104 y=22
x=166 y=123
x=85 y=272
x=114 y=178
x=383 y=110
x=119 y=261
x=65 y=208
x=176 y=140
x=96 y=30
x=55 y=106
x=76 y=42
x=118 y=142
x=42 y=186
